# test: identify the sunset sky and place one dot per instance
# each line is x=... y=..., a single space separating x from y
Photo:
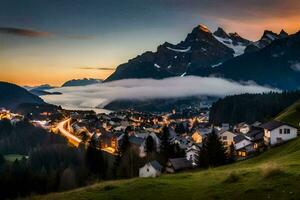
x=51 y=41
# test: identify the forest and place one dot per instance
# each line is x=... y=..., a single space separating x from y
x=251 y=107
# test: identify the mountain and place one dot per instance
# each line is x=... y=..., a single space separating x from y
x=11 y=96
x=276 y=65
x=199 y=50
x=39 y=87
x=232 y=40
x=81 y=82
x=40 y=92
x=267 y=38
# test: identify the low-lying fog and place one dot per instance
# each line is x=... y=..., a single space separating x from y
x=99 y=95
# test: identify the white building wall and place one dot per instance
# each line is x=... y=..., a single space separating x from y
x=192 y=156
x=148 y=171
x=275 y=134
x=229 y=139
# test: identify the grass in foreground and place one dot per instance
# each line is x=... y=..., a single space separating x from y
x=273 y=175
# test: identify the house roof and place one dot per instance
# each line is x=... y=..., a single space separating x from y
x=241 y=125
x=239 y=138
x=180 y=163
x=256 y=134
x=136 y=140
x=156 y=165
x=223 y=131
x=271 y=125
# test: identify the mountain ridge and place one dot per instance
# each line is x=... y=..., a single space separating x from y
x=11 y=96
x=200 y=49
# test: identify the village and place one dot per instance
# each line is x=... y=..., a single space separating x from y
x=187 y=131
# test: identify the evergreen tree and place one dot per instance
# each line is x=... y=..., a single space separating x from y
x=150 y=146
x=231 y=154
x=202 y=160
x=124 y=144
x=212 y=152
x=180 y=129
x=94 y=161
x=165 y=144
x=2 y=160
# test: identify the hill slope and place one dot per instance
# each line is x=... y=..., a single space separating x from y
x=272 y=175
x=11 y=96
x=291 y=114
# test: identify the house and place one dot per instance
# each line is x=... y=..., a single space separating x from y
x=225 y=126
x=256 y=135
x=243 y=146
x=138 y=144
x=196 y=136
x=156 y=140
x=192 y=154
x=276 y=132
x=243 y=128
x=178 y=164
x=111 y=140
x=226 y=137
x=150 y=169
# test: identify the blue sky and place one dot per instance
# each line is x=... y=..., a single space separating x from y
x=50 y=41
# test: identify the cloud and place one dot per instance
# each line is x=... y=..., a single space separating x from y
x=99 y=95
x=36 y=34
x=98 y=68
x=23 y=32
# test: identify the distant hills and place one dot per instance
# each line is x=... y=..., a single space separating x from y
x=11 y=96
x=273 y=60
x=81 y=82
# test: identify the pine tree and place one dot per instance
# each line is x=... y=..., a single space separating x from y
x=212 y=153
x=150 y=146
x=165 y=144
x=231 y=154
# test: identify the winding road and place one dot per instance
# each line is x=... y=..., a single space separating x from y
x=72 y=139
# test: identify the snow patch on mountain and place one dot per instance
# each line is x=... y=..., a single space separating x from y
x=157 y=66
x=182 y=75
x=180 y=50
x=238 y=49
x=216 y=65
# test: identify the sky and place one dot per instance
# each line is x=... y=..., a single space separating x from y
x=52 y=41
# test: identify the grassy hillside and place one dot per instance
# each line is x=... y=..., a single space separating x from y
x=291 y=114
x=272 y=175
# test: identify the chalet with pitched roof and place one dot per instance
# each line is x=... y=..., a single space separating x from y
x=276 y=132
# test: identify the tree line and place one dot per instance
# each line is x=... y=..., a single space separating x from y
x=251 y=107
